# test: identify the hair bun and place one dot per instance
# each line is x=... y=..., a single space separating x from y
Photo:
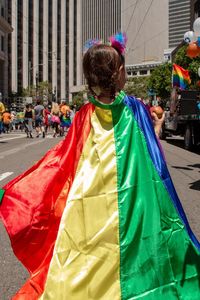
x=118 y=41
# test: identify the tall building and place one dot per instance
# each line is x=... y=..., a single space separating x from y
x=179 y=20
x=98 y=19
x=39 y=44
x=48 y=38
x=49 y=35
x=5 y=29
x=146 y=24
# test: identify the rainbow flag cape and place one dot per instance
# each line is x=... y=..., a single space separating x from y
x=180 y=77
x=98 y=217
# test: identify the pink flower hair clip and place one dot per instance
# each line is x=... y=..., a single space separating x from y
x=118 y=41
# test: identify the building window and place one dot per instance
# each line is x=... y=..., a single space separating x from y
x=2 y=11
x=143 y=72
x=2 y=43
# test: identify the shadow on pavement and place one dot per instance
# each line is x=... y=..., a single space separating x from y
x=195 y=185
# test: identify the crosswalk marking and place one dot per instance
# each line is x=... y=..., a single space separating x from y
x=5 y=138
x=4 y=175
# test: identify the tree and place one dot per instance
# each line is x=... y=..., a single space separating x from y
x=78 y=99
x=161 y=80
x=43 y=89
x=181 y=58
x=137 y=86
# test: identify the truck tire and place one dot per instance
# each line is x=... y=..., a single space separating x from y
x=188 y=138
x=196 y=132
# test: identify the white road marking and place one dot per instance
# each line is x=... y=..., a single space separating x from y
x=4 y=175
x=19 y=136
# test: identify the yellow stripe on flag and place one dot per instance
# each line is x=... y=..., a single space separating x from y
x=85 y=264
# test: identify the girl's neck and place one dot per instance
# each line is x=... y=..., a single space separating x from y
x=106 y=99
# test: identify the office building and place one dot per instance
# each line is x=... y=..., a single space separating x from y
x=179 y=20
x=48 y=37
x=99 y=19
x=39 y=44
x=5 y=30
x=146 y=24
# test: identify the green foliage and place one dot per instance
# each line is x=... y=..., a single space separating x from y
x=43 y=88
x=137 y=86
x=181 y=58
x=160 y=80
x=78 y=99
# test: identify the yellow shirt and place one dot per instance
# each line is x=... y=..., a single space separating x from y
x=2 y=107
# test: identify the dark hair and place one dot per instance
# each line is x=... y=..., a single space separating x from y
x=101 y=64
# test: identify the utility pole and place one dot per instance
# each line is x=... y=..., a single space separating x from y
x=29 y=76
x=36 y=84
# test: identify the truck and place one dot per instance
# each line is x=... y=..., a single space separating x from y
x=182 y=117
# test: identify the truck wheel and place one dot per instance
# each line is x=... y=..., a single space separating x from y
x=196 y=136
x=188 y=138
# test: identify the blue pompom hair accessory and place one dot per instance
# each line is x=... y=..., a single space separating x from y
x=117 y=41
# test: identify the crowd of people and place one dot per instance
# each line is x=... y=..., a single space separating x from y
x=39 y=118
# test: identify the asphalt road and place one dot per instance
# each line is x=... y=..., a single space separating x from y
x=17 y=153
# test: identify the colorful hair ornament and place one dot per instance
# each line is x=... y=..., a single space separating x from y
x=91 y=43
x=118 y=41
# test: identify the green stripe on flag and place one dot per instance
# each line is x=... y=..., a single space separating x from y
x=157 y=258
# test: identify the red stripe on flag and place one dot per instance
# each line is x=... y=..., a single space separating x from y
x=33 y=204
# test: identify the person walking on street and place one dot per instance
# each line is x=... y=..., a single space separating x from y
x=6 y=120
x=39 y=123
x=28 y=120
x=1 y=123
x=2 y=107
x=65 y=119
x=46 y=116
x=55 y=120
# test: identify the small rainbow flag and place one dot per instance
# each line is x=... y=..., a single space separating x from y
x=180 y=77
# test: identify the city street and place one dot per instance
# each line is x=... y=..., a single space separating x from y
x=17 y=153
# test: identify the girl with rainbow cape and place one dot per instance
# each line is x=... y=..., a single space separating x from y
x=98 y=216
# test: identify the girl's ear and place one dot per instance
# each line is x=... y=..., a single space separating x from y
x=121 y=67
x=122 y=76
